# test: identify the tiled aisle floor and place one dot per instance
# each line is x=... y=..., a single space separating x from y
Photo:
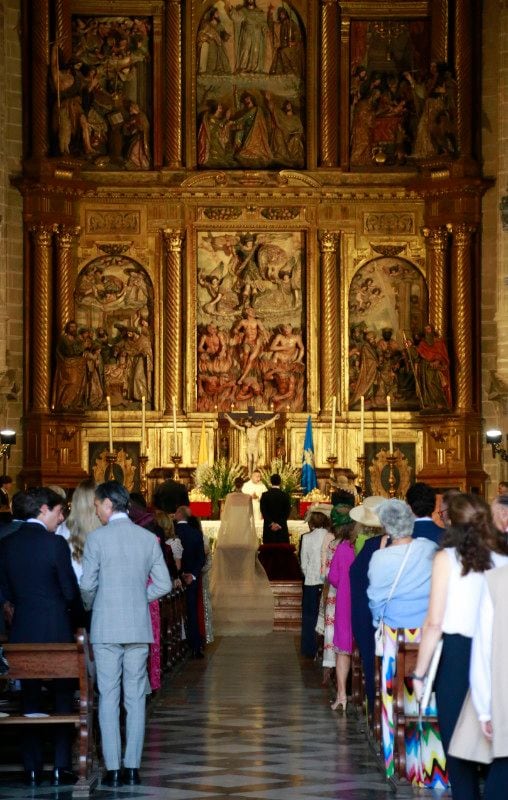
x=251 y=722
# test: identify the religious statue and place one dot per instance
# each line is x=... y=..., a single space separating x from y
x=70 y=377
x=432 y=370
x=252 y=432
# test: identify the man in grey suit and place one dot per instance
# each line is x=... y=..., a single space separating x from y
x=118 y=560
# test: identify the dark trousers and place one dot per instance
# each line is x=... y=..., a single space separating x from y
x=496 y=782
x=193 y=635
x=62 y=691
x=451 y=685
x=310 y=609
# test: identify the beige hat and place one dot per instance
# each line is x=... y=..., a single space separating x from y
x=365 y=516
x=374 y=501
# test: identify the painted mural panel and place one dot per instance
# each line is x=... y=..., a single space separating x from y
x=250 y=86
x=250 y=321
x=103 y=98
x=387 y=318
x=402 y=105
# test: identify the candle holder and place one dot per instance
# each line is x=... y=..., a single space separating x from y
x=362 y=463
x=332 y=460
x=111 y=458
x=176 y=459
x=391 y=461
x=143 y=481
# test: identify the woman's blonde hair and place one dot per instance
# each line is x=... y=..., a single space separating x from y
x=82 y=519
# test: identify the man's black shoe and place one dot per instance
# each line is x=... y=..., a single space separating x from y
x=112 y=778
x=63 y=777
x=198 y=654
x=131 y=776
x=32 y=778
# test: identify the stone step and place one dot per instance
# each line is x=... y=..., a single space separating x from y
x=287 y=606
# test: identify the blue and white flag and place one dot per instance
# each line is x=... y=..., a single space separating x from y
x=309 y=480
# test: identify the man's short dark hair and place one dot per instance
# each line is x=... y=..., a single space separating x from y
x=5 y=479
x=19 y=506
x=114 y=491
x=422 y=499
x=275 y=479
x=41 y=496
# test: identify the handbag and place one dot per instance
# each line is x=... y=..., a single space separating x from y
x=378 y=633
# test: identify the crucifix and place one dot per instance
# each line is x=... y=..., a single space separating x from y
x=251 y=423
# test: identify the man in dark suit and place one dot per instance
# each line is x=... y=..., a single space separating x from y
x=37 y=577
x=193 y=561
x=275 y=507
x=422 y=499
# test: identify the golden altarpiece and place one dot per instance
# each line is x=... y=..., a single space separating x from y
x=254 y=209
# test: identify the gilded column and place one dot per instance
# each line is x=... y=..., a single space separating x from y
x=329 y=98
x=172 y=338
x=174 y=82
x=440 y=26
x=462 y=312
x=65 y=236
x=464 y=69
x=436 y=240
x=41 y=317
x=63 y=28
x=40 y=67
x=329 y=243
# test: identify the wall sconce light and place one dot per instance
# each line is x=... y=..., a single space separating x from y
x=494 y=438
x=7 y=437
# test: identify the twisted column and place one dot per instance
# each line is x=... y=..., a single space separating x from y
x=65 y=236
x=41 y=317
x=464 y=68
x=172 y=316
x=174 y=82
x=439 y=34
x=40 y=68
x=329 y=243
x=63 y=28
x=436 y=240
x=462 y=313
x=329 y=97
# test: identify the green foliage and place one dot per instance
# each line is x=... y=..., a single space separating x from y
x=290 y=476
x=218 y=480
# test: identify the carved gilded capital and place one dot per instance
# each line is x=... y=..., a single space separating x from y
x=329 y=241
x=436 y=238
x=173 y=239
x=65 y=235
x=463 y=233
x=42 y=234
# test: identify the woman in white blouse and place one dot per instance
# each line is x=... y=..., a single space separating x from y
x=470 y=546
x=310 y=562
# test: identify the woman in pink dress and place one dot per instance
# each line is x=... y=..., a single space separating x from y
x=338 y=577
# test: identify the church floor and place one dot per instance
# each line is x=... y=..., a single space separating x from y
x=251 y=722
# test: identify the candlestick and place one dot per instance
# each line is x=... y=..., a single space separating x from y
x=175 y=443
x=143 y=482
x=332 y=460
x=110 y=424
x=362 y=461
x=334 y=409
x=143 y=426
x=362 y=424
x=176 y=459
x=392 y=491
x=390 y=437
x=109 y=473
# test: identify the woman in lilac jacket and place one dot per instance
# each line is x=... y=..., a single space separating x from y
x=338 y=576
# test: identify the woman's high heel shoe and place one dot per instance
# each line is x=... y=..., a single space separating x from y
x=340 y=705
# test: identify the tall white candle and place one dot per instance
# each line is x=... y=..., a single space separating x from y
x=110 y=424
x=334 y=410
x=362 y=424
x=143 y=425
x=390 y=436
x=174 y=426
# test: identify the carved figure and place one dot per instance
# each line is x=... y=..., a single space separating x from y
x=251 y=144
x=368 y=374
x=136 y=129
x=251 y=36
x=433 y=370
x=252 y=432
x=287 y=347
x=70 y=378
x=215 y=148
x=286 y=43
x=286 y=133
x=212 y=56
x=250 y=335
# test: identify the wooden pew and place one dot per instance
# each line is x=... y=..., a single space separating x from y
x=357 y=687
x=407 y=653
x=47 y=661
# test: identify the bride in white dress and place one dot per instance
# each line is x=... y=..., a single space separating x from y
x=242 y=597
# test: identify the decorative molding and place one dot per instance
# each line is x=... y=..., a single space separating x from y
x=106 y=221
x=281 y=212
x=222 y=212
x=388 y=222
